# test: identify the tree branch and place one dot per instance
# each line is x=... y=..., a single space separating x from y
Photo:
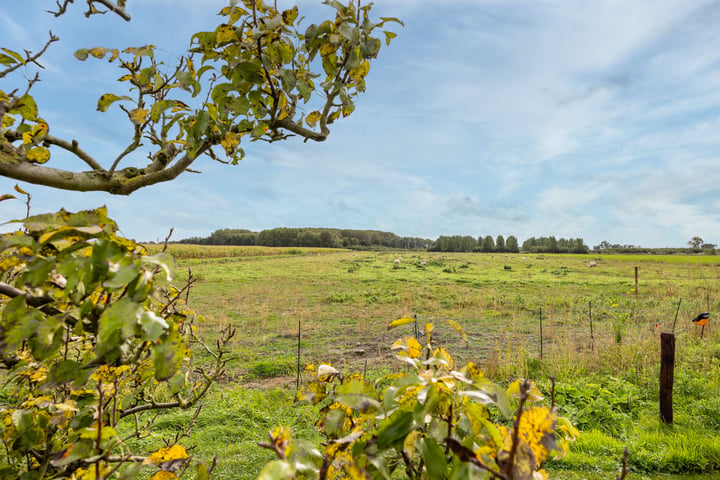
x=308 y=134
x=73 y=148
x=31 y=58
x=121 y=182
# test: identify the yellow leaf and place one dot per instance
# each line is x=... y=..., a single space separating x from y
x=38 y=155
x=327 y=48
x=534 y=394
x=190 y=67
x=20 y=190
x=163 y=475
x=224 y=34
x=138 y=116
x=445 y=355
x=414 y=347
x=458 y=328
x=98 y=52
x=404 y=320
x=313 y=118
x=230 y=142
x=357 y=74
x=429 y=328
x=167 y=454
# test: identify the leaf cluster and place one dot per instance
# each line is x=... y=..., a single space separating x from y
x=92 y=335
x=435 y=421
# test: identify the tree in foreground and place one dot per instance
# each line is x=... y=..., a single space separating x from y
x=96 y=338
x=256 y=76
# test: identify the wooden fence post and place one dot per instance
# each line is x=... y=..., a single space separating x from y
x=667 y=370
x=636 y=281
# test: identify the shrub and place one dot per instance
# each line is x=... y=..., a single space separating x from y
x=89 y=339
x=433 y=422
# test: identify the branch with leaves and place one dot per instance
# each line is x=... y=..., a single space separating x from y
x=258 y=77
x=92 y=334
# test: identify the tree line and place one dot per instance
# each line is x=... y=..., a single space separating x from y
x=310 y=237
x=360 y=239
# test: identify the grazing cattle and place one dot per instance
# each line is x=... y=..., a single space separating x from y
x=397 y=261
x=592 y=264
x=423 y=262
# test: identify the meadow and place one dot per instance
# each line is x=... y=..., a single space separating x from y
x=599 y=341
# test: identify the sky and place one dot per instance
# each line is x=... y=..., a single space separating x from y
x=597 y=119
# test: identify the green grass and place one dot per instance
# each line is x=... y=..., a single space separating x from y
x=344 y=301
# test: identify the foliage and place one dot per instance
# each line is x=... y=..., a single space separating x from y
x=553 y=245
x=432 y=422
x=309 y=237
x=252 y=78
x=89 y=339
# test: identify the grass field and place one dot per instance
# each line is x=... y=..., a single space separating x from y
x=600 y=339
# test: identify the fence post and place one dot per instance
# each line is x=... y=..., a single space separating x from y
x=636 y=281
x=667 y=369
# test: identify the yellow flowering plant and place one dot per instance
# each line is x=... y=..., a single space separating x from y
x=435 y=421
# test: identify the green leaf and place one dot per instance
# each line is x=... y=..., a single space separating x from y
x=434 y=458
x=65 y=371
x=108 y=99
x=395 y=428
x=153 y=325
x=168 y=355
x=277 y=470
x=370 y=48
x=305 y=88
x=389 y=36
x=82 y=54
x=16 y=56
x=392 y=19
x=333 y=422
x=26 y=107
x=117 y=322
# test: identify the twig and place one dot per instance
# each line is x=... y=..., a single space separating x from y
x=31 y=58
x=73 y=147
x=524 y=389
x=676 y=315
x=624 y=471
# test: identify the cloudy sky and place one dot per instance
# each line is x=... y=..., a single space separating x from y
x=597 y=119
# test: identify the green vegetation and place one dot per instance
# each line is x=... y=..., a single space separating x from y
x=309 y=237
x=606 y=384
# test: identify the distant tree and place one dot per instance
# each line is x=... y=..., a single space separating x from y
x=500 y=244
x=695 y=242
x=488 y=244
x=326 y=239
x=604 y=245
x=511 y=244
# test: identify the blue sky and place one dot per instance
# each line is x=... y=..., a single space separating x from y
x=595 y=119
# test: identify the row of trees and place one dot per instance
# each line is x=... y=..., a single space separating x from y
x=310 y=237
x=554 y=245
x=333 y=237
x=466 y=243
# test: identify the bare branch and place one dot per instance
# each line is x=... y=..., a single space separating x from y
x=31 y=58
x=308 y=134
x=121 y=182
x=113 y=7
x=73 y=148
